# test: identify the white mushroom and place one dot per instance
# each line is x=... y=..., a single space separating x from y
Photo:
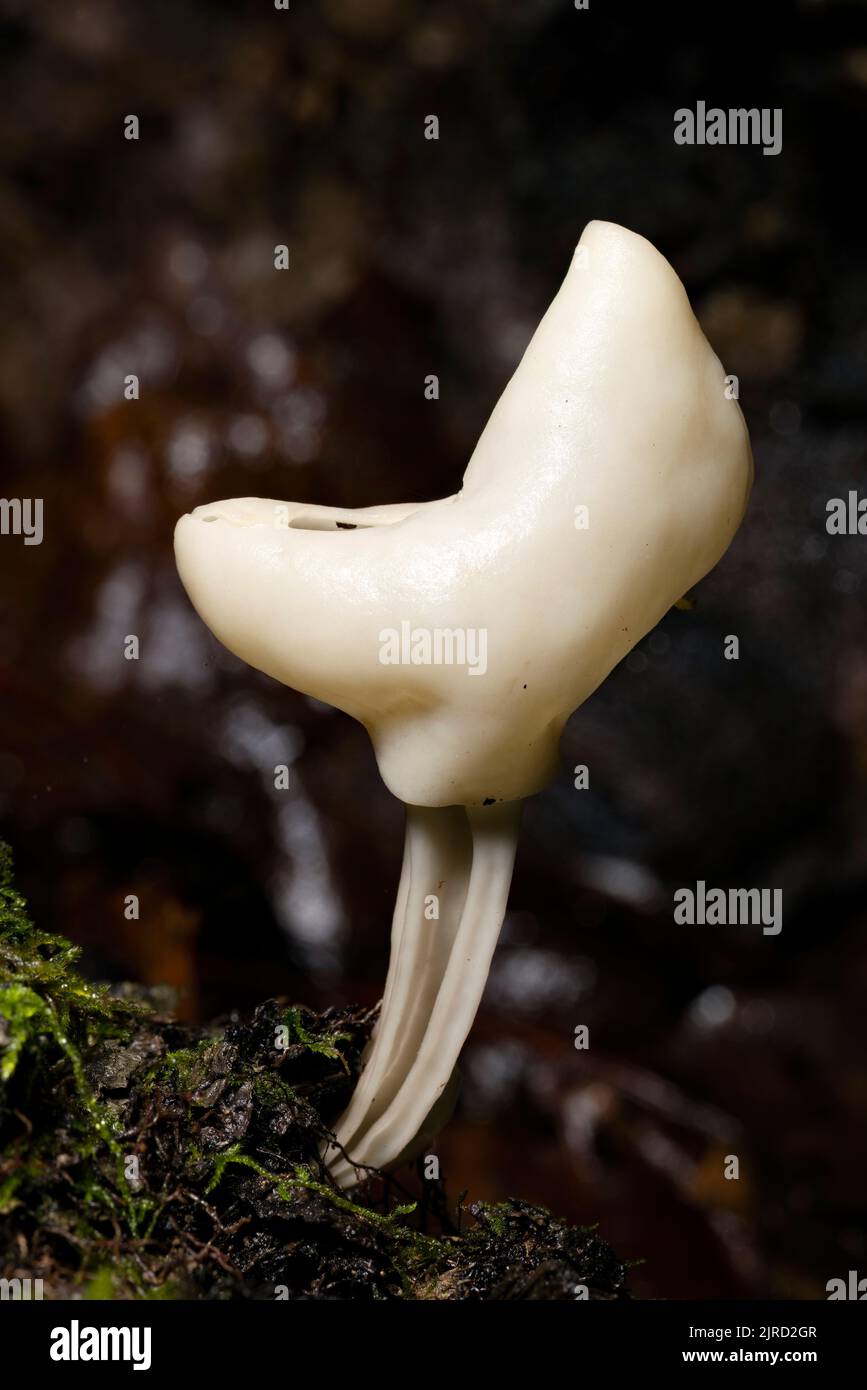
x=611 y=476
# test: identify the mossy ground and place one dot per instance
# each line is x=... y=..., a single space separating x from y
x=143 y=1158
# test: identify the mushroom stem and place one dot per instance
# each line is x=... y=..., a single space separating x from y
x=464 y=859
x=437 y=858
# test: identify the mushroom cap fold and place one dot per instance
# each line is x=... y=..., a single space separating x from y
x=611 y=477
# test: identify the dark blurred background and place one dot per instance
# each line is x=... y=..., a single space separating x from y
x=408 y=257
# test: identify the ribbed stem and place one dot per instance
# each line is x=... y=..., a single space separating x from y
x=436 y=977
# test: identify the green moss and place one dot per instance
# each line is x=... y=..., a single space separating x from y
x=271 y=1089
x=323 y=1042
x=45 y=964
x=184 y=1068
x=50 y=1015
x=494 y=1216
x=303 y=1178
x=20 y=1008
